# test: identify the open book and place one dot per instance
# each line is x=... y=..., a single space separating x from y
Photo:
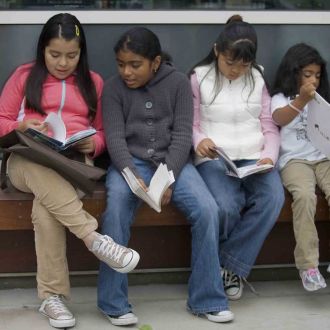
x=58 y=141
x=160 y=181
x=318 y=129
x=243 y=171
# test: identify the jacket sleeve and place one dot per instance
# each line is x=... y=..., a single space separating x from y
x=114 y=127
x=269 y=129
x=181 y=135
x=99 y=138
x=11 y=100
x=198 y=136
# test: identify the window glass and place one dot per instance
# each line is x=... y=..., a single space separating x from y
x=167 y=4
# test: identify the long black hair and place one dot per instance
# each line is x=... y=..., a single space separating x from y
x=65 y=26
x=239 y=40
x=288 y=75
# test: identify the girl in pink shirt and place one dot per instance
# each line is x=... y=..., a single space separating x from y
x=59 y=82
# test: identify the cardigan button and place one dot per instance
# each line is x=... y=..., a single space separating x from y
x=148 y=105
x=151 y=151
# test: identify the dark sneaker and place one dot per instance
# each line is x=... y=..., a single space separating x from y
x=116 y=256
x=126 y=319
x=58 y=314
x=233 y=284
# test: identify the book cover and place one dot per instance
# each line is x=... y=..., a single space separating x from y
x=160 y=181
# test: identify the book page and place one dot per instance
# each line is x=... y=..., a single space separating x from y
x=251 y=169
x=318 y=128
x=137 y=189
x=160 y=181
x=242 y=171
x=232 y=168
x=57 y=126
x=79 y=136
x=58 y=130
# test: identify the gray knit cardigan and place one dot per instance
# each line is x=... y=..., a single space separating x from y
x=153 y=122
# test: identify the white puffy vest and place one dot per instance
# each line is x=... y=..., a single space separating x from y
x=231 y=120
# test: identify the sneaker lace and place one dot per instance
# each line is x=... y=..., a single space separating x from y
x=230 y=279
x=108 y=248
x=313 y=275
x=251 y=287
x=313 y=272
x=56 y=304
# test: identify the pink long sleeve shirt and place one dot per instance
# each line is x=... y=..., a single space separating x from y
x=58 y=96
x=269 y=128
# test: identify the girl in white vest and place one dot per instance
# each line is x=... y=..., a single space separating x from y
x=302 y=71
x=232 y=111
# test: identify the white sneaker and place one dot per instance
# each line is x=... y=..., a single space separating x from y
x=328 y=269
x=232 y=284
x=126 y=319
x=312 y=279
x=58 y=314
x=116 y=256
x=220 y=317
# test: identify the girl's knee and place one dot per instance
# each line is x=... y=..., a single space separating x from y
x=304 y=196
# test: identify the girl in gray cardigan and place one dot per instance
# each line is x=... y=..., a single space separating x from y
x=147 y=114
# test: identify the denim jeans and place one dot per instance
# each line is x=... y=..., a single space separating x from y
x=192 y=197
x=248 y=207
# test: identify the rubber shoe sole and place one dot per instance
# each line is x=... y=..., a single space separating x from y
x=220 y=317
x=60 y=323
x=126 y=319
x=130 y=265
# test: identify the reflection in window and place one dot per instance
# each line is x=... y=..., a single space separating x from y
x=167 y=4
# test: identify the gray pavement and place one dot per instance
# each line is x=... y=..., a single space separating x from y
x=278 y=305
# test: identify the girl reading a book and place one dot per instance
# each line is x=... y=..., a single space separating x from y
x=232 y=111
x=147 y=117
x=58 y=81
x=301 y=73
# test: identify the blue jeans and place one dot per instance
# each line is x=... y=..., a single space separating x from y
x=248 y=207
x=192 y=197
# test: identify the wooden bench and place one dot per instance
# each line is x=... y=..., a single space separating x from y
x=163 y=239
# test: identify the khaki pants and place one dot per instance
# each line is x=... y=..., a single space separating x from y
x=56 y=205
x=300 y=178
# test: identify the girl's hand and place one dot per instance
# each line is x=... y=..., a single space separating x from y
x=167 y=196
x=85 y=146
x=36 y=124
x=206 y=149
x=143 y=185
x=265 y=161
x=307 y=92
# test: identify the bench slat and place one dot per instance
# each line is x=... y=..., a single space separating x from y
x=16 y=210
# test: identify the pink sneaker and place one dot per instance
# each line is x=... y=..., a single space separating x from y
x=312 y=279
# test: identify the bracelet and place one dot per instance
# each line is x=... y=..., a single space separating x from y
x=294 y=107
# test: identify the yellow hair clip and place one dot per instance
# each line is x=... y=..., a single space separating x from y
x=77 y=31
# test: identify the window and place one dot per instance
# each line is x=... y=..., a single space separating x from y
x=166 y=4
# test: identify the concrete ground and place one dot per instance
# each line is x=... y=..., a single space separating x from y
x=277 y=305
